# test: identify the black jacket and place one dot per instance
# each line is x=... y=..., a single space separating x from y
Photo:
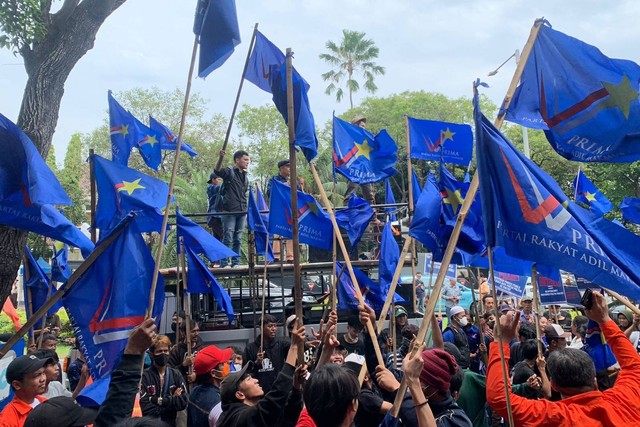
x=275 y=354
x=202 y=399
x=125 y=379
x=178 y=353
x=151 y=389
x=280 y=407
x=234 y=189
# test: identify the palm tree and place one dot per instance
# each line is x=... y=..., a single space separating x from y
x=355 y=54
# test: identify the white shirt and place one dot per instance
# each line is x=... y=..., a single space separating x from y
x=214 y=415
x=56 y=389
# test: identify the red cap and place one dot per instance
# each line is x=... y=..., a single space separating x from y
x=209 y=358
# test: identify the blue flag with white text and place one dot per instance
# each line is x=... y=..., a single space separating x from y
x=630 y=208
x=216 y=24
x=168 y=139
x=264 y=55
x=199 y=240
x=314 y=224
x=355 y=218
x=361 y=157
x=436 y=141
x=256 y=224
x=586 y=103
x=589 y=194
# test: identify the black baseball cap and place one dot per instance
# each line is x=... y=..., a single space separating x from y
x=282 y=163
x=212 y=177
x=230 y=383
x=60 y=411
x=25 y=365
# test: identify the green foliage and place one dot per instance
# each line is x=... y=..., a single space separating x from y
x=354 y=55
x=40 y=246
x=21 y=23
x=74 y=178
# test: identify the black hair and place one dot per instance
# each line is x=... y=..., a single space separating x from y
x=530 y=349
x=46 y=354
x=484 y=298
x=268 y=318
x=239 y=154
x=408 y=331
x=456 y=381
x=527 y=331
x=354 y=322
x=571 y=367
x=192 y=323
x=581 y=323
x=49 y=337
x=204 y=378
x=328 y=394
x=489 y=314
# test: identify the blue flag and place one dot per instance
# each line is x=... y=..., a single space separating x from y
x=355 y=218
x=314 y=225
x=388 y=259
x=111 y=298
x=128 y=132
x=201 y=281
x=417 y=188
x=121 y=190
x=503 y=262
x=449 y=142
x=589 y=194
x=60 y=270
x=361 y=157
x=255 y=223
x=389 y=199
x=262 y=206
x=425 y=224
x=525 y=211
x=630 y=208
x=305 y=128
x=374 y=295
x=216 y=24
x=264 y=55
x=37 y=286
x=586 y=103
x=200 y=241
x=168 y=139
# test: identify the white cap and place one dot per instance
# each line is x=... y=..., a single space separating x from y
x=455 y=310
x=355 y=358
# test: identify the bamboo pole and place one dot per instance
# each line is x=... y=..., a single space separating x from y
x=394 y=282
x=44 y=319
x=29 y=302
x=536 y=307
x=624 y=300
x=186 y=305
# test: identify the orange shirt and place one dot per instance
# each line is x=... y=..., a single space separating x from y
x=617 y=406
x=16 y=412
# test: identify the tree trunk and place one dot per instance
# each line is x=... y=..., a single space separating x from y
x=70 y=35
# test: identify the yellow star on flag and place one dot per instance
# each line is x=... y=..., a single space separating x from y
x=621 y=95
x=364 y=149
x=130 y=187
x=151 y=140
x=447 y=135
x=454 y=198
x=124 y=130
x=590 y=196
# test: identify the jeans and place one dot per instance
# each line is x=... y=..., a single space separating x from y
x=232 y=227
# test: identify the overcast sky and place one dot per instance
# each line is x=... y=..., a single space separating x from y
x=436 y=46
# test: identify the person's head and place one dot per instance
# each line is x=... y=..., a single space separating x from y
x=489 y=303
x=331 y=396
x=555 y=337
x=49 y=342
x=530 y=349
x=579 y=326
x=437 y=371
x=159 y=351
x=418 y=275
x=409 y=332
x=467 y=314
x=284 y=168
x=624 y=319
x=527 y=304
x=337 y=357
x=193 y=334
x=51 y=367
x=25 y=375
x=240 y=387
x=359 y=121
x=241 y=159
x=270 y=327
x=526 y=331
x=456 y=384
x=458 y=317
x=452 y=282
x=490 y=319
x=61 y=411
x=211 y=364
x=354 y=327
x=401 y=316
x=571 y=372
x=177 y=320
x=543 y=322
x=214 y=179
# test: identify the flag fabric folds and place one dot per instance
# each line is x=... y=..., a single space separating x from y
x=525 y=211
x=355 y=218
x=361 y=157
x=111 y=298
x=388 y=258
x=262 y=206
x=216 y=25
x=304 y=124
x=374 y=295
x=264 y=55
x=29 y=189
x=440 y=141
x=630 y=208
x=168 y=139
x=37 y=286
x=256 y=224
x=416 y=187
x=201 y=281
x=389 y=199
x=586 y=103
x=121 y=190
x=425 y=224
x=128 y=132
x=9 y=309
x=60 y=270
x=314 y=224
x=199 y=240
x=589 y=194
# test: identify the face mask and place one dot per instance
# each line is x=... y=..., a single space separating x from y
x=174 y=326
x=161 y=359
x=491 y=324
x=463 y=321
x=237 y=367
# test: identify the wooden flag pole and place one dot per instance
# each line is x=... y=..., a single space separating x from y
x=29 y=302
x=186 y=304
x=411 y=209
x=325 y=201
x=394 y=282
x=536 y=307
x=624 y=300
x=235 y=104
x=264 y=294
x=471 y=193
x=92 y=180
x=293 y=180
x=44 y=319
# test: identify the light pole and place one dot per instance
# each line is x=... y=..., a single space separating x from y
x=525 y=135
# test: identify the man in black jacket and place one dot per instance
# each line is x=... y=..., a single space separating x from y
x=244 y=403
x=211 y=364
x=269 y=360
x=233 y=195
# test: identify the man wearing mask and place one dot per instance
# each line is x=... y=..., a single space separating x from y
x=162 y=389
x=454 y=333
x=211 y=365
